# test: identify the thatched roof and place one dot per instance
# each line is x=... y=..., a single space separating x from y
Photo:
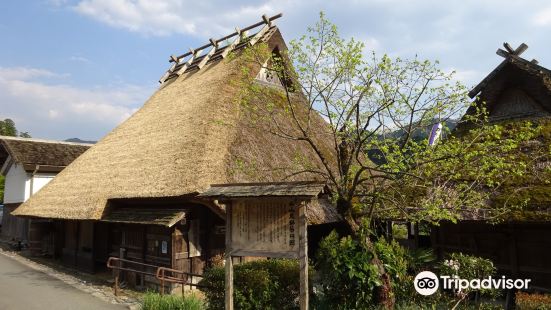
x=515 y=92
x=520 y=88
x=45 y=153
x=188 y=135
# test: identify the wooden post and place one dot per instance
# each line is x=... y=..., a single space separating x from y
x=162 y=282
x=303 y=256
x=229 y=262
x=117 y=271
x=117 y=284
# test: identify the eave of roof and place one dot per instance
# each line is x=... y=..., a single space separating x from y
x=270 y=189
x=511 y=59
x=150 y=216
x=29 y=152
x=43 y=141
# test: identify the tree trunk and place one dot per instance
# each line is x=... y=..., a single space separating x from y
x=383 y=294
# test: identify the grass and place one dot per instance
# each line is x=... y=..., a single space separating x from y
x=154 y=301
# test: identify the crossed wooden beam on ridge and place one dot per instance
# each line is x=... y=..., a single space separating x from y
x=509 y=51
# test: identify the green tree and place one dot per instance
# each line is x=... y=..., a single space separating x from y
x=7 y=128
x=375 y=107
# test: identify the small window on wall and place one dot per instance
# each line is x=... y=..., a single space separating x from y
x=194 y=239
x=157 y=247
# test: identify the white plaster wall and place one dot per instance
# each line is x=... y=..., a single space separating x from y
x=15 y=187
x=41 y=179
x=18 y=184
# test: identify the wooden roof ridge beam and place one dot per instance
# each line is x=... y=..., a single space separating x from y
x=262 y=31
x=508 y=52
x=207 y=56
x=194 y=54
x=234 y=43
x=263 y=22
x=168 y=72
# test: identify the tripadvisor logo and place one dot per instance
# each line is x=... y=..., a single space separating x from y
x=426 y=283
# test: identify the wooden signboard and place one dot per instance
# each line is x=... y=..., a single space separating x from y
x=267 y=227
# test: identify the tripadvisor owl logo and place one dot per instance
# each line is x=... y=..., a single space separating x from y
x=426 y=283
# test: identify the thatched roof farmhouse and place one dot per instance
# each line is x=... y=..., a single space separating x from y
x=135 y=192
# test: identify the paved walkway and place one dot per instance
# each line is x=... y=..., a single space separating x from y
x=23 y=288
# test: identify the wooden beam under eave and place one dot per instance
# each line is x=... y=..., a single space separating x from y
x=42 y=168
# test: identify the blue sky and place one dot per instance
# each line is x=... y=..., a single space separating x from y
x=77 y=68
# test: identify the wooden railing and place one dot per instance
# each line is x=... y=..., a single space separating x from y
x=173 y=276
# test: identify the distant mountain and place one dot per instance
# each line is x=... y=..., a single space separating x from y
x=378 y=157
x=420 y=133
x=77 y=140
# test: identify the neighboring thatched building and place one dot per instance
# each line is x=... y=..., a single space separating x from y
x=517 y=90
x=136 y=189
x=28 y=165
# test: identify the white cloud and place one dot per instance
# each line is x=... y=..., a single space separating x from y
x=31 y=100
x=466 y=76
x=26 y=73
x=165 y=17
x=79 y=59
x=543 y=18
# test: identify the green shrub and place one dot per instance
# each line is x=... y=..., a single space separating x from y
x=525 y=301
x=263 y=284
x=154 y=301
x=348 y=279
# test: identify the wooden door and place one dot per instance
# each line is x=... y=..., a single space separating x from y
x=180 y=250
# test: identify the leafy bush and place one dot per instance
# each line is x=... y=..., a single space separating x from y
x=347 y=277
x=262 y=284
x=525 y=301
x=348 y=280
x=154 y=301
